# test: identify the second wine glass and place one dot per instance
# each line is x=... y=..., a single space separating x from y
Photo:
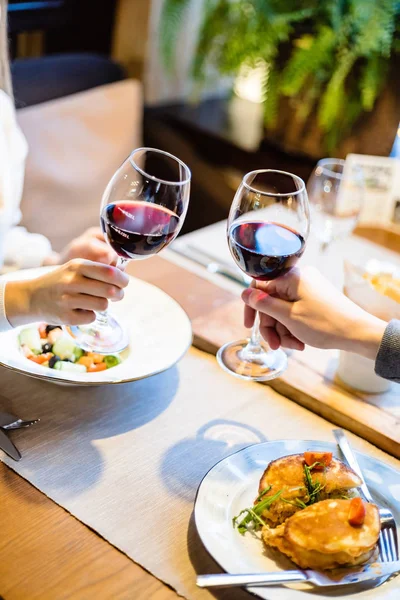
x=336 y=200
x=267 y=230
x=142 y=211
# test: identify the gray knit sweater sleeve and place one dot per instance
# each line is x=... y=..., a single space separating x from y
x=387 y=363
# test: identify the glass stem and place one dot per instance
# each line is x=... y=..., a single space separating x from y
x=102 y=316
x=253 y=350
x=255 y=337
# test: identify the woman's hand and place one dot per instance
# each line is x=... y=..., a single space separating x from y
x=90 y=245
x=67 y=295
x=302 y=307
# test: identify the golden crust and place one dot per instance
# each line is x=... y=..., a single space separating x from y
x=289 y=471
x=320 y=536
x=287 y=474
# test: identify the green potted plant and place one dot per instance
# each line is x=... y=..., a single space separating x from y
x=330 y=78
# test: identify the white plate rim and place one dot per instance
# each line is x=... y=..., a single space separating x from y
x=57 y=379
x=203 y=536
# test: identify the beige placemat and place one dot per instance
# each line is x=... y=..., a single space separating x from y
x=127 y=460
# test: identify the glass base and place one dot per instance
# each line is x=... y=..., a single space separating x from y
x=102 y=339
x=260 y=365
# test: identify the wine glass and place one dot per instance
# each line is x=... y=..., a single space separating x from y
x=142 y=211
x=267 y=230
x=336 y=199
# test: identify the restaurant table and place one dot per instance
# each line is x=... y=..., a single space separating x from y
x=61 y=557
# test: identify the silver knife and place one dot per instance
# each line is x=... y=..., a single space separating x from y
x=8 y=447
x=371 y=571
x=212 y=265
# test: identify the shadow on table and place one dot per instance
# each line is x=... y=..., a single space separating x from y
x=204 y=564
x=72 y=419
x=185 y=464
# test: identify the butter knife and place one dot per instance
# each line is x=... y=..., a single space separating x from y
x=350 y=576
x=8 y=447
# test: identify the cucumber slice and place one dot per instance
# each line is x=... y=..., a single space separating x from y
x=65 y=347
x=78 y=352
x=112 y=361
x=62 y=365
x=30 y=337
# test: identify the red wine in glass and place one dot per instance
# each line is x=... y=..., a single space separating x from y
x=265 y=250
x=138 y=229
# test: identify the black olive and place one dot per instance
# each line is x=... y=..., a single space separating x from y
x=53 y=361
x=47 y=348
x=51 y=327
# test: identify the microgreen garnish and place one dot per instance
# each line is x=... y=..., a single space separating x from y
x=261 y=494
x=296 y=502
x=313 y=489
x=253 y=519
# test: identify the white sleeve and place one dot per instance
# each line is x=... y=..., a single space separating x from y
x=25 y=250
x=4 y=324
x=18 y=248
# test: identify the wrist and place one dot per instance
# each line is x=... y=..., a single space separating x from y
x=365 y=336
x=18 y=303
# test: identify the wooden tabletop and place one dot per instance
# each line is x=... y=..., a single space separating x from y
x=47 y=554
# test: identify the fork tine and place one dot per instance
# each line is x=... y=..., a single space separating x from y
x=392 y=535
x=383 y=548
x=396 y=542
x=389 y=549
x=390 y=543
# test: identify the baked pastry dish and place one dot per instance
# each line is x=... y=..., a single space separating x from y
x=308 y=508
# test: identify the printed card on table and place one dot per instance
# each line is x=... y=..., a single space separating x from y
x=381 y=176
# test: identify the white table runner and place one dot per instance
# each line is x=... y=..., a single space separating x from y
x=127 y=460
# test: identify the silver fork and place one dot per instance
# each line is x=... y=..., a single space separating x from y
x=19 y=423
x=388 y=543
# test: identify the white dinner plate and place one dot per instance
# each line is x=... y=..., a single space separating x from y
x=232 y=485
x=159 y=332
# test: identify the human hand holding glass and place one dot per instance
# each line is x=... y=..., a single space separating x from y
x=142 y=211
x=267 y=230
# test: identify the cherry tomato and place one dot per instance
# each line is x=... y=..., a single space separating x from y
x=356 y=512
x=325 y=458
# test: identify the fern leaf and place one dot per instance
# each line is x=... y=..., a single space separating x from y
x=308 y=100
x=334 y=10
x=308 y=61
x=172 y=14
x=331 y=103
x=374 y=25
x=372 y=80
x=271 y=95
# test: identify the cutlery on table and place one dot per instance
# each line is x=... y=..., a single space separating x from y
x=388 y=542
x=9 y=421
x=371 y=571
x=8 y=447
x=212 y=264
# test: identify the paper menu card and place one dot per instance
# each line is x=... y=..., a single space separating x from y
x=381 y=177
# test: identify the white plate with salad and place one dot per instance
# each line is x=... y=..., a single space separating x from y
x=159 y=332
